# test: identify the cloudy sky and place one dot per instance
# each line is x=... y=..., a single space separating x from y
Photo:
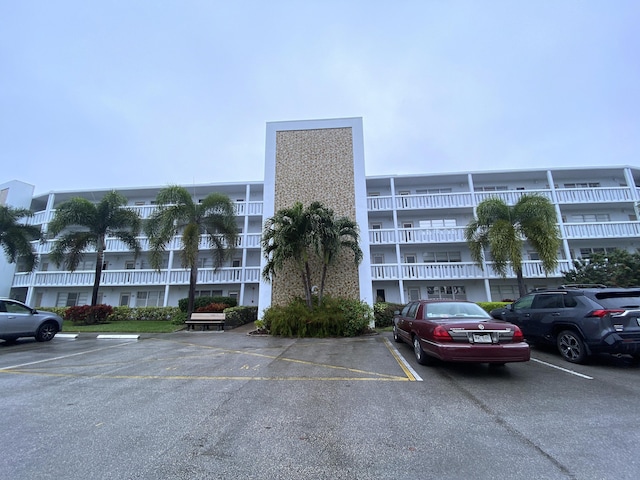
x=116 y=93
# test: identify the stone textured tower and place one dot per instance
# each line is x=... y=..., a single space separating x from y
x=318 y=160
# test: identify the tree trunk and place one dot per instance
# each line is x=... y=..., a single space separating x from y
x=193 y=279
x=520 y=278
x=322 y=280
x=98 y=274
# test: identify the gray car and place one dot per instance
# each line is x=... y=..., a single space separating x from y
x=19 y=320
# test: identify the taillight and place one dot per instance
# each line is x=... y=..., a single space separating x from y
x=604 y=313
x=441 y=334
x=517 y=335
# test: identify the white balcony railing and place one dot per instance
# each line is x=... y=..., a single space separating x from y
x=135 y=277
x=594 y=195
x=602 y=230
x=458 y=271
x=511 y=197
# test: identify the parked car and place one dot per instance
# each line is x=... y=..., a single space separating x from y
x=457 y=331
x=579 y=321
x=19 y=320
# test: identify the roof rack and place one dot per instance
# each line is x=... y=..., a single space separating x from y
x=583 y=285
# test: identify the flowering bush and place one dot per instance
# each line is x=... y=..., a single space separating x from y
x=213 y=308
x=88 y=315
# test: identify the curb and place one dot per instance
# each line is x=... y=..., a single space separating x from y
x=118 y=337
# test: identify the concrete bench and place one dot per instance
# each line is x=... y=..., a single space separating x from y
x=205 y=320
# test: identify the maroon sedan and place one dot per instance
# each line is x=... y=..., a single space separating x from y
x=458 y=331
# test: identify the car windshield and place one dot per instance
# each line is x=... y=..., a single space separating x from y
x=455 y=309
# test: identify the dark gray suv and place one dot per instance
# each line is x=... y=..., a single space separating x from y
x=579 y=321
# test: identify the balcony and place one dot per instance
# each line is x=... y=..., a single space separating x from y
x=417 y=235
x=594 y=195
x=145 y=211
x=511 y=197
x=458 y=271
x=574 y=231
x=136 y=278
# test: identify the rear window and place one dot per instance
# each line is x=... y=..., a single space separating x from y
x=629 y=299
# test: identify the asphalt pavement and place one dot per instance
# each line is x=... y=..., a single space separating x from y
x=209 y=405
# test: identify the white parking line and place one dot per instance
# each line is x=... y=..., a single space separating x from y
x=64 y=356
x=566 y=370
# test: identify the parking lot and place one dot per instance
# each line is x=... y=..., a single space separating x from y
x=206 y=405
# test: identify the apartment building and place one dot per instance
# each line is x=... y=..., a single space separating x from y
x=415 y=235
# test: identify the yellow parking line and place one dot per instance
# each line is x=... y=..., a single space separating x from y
x=204 y=377
x=406 y=368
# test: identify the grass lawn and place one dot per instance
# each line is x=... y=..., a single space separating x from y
x=139 y=326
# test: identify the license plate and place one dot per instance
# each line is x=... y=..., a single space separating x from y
x=481 y=338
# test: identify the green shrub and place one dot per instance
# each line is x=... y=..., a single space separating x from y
x=383 y=312
x=336 y=317
x=199 y=302
x=87 y=314
x=237 y=316
x=488 y=306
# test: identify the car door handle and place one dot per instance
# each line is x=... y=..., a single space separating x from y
x=555 y=314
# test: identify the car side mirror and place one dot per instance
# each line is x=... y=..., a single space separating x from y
x=397 y=312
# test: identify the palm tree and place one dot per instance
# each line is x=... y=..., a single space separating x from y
x=177 y=213
x=16 y=237
x=286 y=237
x=502 y=230
x=87 y=225
x=297 y=234
x=330 y=236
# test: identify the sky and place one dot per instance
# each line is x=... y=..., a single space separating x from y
x=124 y=93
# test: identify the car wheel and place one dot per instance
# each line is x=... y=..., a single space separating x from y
x=571 y=346
x=46 y=331
x=396 y=336
x=421 y=357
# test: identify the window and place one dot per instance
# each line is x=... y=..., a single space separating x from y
x=410 y=258
x=586 y=253
x=447 y=292
x=44 y=266
x=377 y=258
x=149 y=299
x=434 y=191
x=440 y=222
x=380 y=295
x=591 y=218
x=582 y=185
x=500 y=188
x=442 y=257
x=234 y=295
x=129 y=265
x=71 y=299
x=236 y=263
x=208 y=293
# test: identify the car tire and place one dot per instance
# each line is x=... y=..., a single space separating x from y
x=396 y=336
x=421 y=356
x=46 y=331
x=571 y=346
